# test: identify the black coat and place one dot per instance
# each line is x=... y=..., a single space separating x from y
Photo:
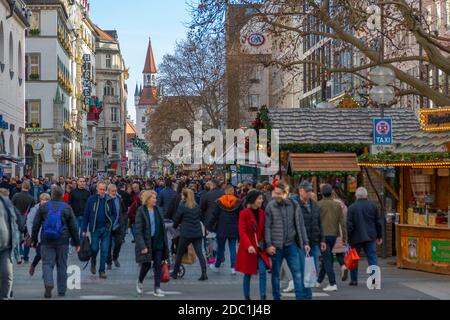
x=363 y=222
x=208 y=202
x=68 y=219
x=313 y=224
x=77 y=200
x=173 y=207
x=225 y=220
x=189 y=221
x=143 y=236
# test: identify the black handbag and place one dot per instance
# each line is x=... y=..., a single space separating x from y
x=85 y=253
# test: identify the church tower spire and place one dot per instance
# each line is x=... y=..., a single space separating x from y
x=150 y=71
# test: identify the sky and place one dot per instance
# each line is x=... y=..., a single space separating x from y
x=136 y=21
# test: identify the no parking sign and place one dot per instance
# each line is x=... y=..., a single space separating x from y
x=382 y=131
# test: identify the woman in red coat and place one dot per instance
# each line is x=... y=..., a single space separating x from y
x=251 y=258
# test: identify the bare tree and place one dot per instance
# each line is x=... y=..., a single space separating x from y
x=405 y=35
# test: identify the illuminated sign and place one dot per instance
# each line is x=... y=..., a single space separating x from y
x=435 y=119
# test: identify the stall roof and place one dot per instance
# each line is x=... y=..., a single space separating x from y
x=309 y=126
x=302 y=162
x=423 y=142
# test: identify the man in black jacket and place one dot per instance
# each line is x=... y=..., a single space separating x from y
x=364 y=230
x=208 y=203
x=55 y=251
x=78 y=199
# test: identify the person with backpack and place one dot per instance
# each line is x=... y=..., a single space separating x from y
x=100 y=214
x=56 y=224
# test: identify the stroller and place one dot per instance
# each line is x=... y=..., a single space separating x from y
x=211 y=247
x=173 y=236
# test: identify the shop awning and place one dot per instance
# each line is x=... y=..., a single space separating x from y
x=323 y=162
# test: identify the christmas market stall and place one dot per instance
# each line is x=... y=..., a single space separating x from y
x=423 y=166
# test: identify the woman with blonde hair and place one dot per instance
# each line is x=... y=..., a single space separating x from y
x=189 y=218
x=151 y=241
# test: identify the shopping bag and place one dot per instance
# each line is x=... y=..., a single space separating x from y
x=85 y=253
x=351 y=259
x=310 y=273
x=189 y=256
x=165 y=273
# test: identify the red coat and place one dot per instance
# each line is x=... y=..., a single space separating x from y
x=247 y=263
x=132 y=210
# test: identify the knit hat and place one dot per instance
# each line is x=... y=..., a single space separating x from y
x=252 y=196
x=306 y=185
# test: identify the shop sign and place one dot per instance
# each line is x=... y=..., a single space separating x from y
x=382 y=131
x=440 y=250
x=33 y=130
x=412 y=248
x=87 y=154
x=377 y=149
x=87 y=85
x=435 y=119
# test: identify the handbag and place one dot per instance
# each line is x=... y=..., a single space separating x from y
x=351 y=259
x=189 y=257
x=85 y=253
x=165 y=273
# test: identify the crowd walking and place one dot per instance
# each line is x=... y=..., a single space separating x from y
x=267 y=231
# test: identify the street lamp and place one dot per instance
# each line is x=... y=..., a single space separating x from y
x=382 y=94
x=57 y=154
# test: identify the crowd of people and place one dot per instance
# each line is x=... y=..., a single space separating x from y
x=267 y=228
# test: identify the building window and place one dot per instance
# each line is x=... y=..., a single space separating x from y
x=33 y=66
x=109 y=89
x=143 y=131
x=256 y=73
x=11 y=52
x=33 y=113
x=114 y=114
x=114 y=143
x=253 y=102
x=2 y=46
x=108 y=61
x=20 y=70
x=35 y=23
x=143 y=120
x=2 y=143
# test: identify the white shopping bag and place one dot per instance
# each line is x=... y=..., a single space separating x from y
x=310 y=275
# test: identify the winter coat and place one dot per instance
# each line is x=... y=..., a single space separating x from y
x=208 y=203
x=16 y=227
x=332 y=217
x=77 y=200
x=189 y=221
x=339 y=246
x=313 y=223
x=68 y=218
x=363 y=222
x=225 y=218
x=135 y=204
x=173 y=207
x=274 y=229
x=90 y=214
x=165 y=198
x=247 y=263
x=143 y=236
x=23 y=201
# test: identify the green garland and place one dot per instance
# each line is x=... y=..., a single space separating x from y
x=390 y=157
x=325 y=147
x=304 y=174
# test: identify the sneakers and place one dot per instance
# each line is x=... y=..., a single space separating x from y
x=159 y=293
x=213 y=268
x=103 y=275
x=318 y=285
x=330 y=288
x=344 y=273
x=48 y=292
x=290 y=287
x=116 y=263
x=233 y=271
x=139 y=288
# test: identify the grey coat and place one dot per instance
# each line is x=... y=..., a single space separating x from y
x=15 y=224
x=274 y=231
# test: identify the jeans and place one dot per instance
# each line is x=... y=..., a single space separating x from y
x=25 y=252
x=340 y=258
x=115 y=244
x=183 y=244
x=55 y=255
x=315 y=250
x=328 y=260
x=80 y=224
x=370 y=250
x=221 y=251
x=6 y=274
x=291 y=254
x=100 y=241
x=133 y=231
x=157 y=256
x=262 y=271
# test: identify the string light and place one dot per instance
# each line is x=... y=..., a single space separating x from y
x=430 y=165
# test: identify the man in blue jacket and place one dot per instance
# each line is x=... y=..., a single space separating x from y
x=166 y=196
x=100 y=215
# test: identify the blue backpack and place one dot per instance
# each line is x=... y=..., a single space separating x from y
x=53 y=225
